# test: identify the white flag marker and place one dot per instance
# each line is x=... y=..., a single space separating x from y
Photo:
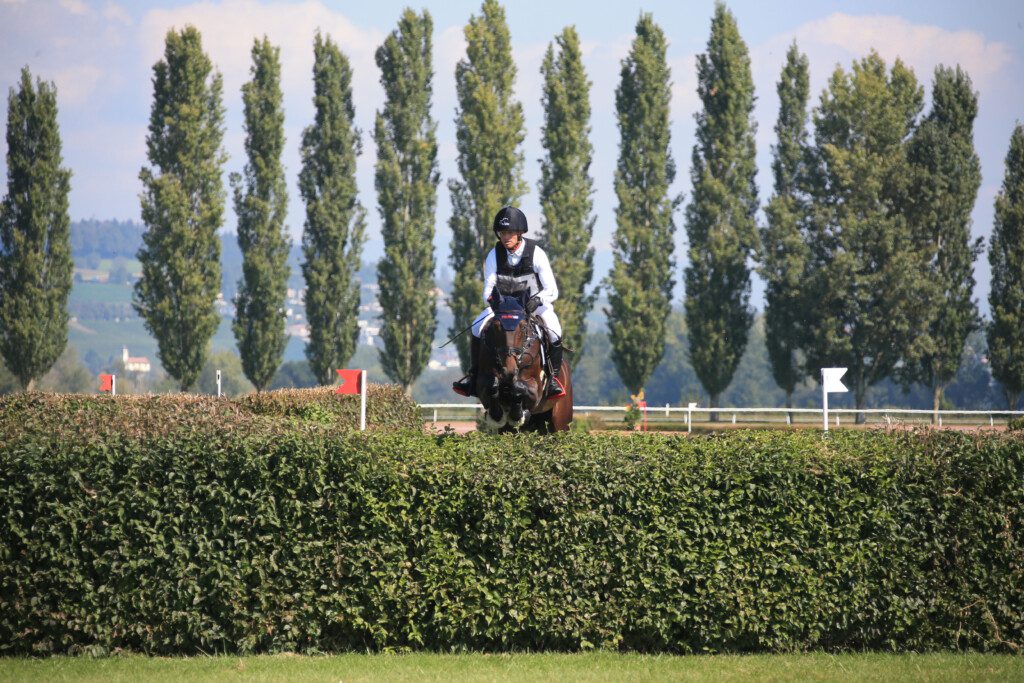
x=830 y=383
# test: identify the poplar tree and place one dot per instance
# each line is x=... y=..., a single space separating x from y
x=335 y=227
x=720 y=220
x=870 y=301
x=640 y=282
x=783 y=248
x=406 y=182
x=565 y=186
x=182 y=207
x=261 y=203
x=35 y=240
x=946 y=175
x=1006 y=256
x=489 y=134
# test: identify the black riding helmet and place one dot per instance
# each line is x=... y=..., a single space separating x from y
x=509 y=218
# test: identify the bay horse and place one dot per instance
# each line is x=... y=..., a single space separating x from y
x=512 y=376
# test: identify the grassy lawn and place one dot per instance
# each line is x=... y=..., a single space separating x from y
x=523 y=667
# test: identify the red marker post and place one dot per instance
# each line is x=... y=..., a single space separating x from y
x=354 y=382
x=108 y=383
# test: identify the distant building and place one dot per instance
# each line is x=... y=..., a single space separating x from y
x=134 y=363
x=298 y=330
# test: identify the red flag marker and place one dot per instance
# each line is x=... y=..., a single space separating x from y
x=354 y=382
x=349 y=381
x=106 y=382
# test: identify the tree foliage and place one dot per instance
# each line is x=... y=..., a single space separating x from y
x=1006 y=256
x=35 y=247
x=182 y=207
x=566 y=186
x=233 y=380
x=720 y=221
x=871 y=301
x=489 y=134
x=261 y=202
x=640 y=283
x=406 y=182
x=783 y=249
x=335 y=226
x=946 y=175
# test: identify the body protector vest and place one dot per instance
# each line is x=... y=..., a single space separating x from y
x=520 y=279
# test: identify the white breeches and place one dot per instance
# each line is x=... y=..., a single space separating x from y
x=545 y=313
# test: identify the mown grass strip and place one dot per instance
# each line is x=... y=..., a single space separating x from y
x=599 y=666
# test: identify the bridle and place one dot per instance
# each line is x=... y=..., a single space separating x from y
x=524 y=358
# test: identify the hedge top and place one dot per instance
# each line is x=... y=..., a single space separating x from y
x=153 y=415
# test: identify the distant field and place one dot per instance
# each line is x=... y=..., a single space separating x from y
x=96 y=293
x=131 y=265
x=107 y=337
x=600 y=666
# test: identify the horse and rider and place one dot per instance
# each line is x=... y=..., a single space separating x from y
x=518 y=377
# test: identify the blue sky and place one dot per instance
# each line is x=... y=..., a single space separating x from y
x=100 y=53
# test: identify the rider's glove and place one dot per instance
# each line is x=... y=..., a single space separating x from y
x=532 y=304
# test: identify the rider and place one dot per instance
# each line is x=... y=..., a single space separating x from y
x=524 y=260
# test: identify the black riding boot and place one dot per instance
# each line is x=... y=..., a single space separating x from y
x=467 y=385
x=555 y=388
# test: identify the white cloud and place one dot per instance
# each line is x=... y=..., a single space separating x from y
x=229 y=29
x=114 y=12
x=685 y=100
x=449 y=48
x=75 y=84
x=841 y=38
x=76 y=7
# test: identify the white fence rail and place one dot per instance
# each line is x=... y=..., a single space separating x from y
x=436 y=412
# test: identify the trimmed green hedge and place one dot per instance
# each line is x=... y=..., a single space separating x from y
x=387 y=407
x=319 y=539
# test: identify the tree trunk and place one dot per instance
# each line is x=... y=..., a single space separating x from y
x=936 y=402
x=408 y=390
x=31 y=385
x=789 y=404
x=860 y=392
x=714 y=404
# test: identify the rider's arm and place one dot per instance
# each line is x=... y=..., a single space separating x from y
x=490 y=275
x=549 y=288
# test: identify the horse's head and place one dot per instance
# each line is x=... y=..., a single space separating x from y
x=512 y=363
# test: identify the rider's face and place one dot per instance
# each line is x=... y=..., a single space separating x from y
x=509 y=238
